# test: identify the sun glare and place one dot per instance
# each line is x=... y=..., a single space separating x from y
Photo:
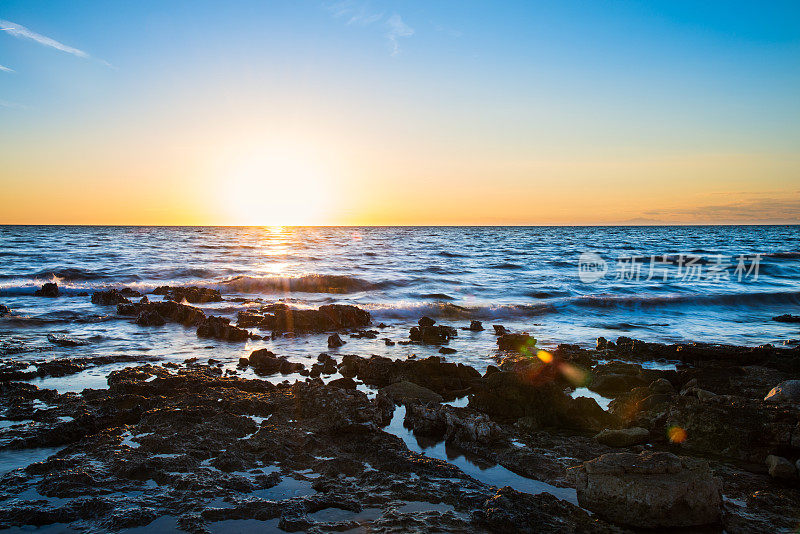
x=276 y=188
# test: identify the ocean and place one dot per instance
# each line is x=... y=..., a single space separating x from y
x=721 y=284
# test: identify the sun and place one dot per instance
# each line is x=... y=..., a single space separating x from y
x=275 y=187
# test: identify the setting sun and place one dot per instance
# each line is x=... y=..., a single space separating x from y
x=274 y=186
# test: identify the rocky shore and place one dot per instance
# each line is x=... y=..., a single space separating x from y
x=710 y=443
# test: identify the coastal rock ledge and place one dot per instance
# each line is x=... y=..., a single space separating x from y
x=649 y=490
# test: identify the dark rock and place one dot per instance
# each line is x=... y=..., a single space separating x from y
x=611 y=384
x=425 y=322
x=475 y=326
x=512 y=511
x=193 y=294
x=334 y=341
x=150 y=317
x=343 y=383
x=265 y=362
x=787 y=391
x=112 y=297
x=780 y=467
x=447 y=350
x=444 y=378
x=534 y=392
x=246 y=319
x=169 y=310
x=453 y=425
x=331 y=317
x=49 y=289
x=734 y=427
x=499 y=330
x=649 y=490
x=64 y=341
x=405 y=391
x=625 y=437
x=787 y=318
x=364 y=334
x=4 y=310
x=432 y=335
x=516 y=342
x=603 y=344
x=220 y=328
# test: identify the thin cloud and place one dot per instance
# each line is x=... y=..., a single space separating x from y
x=397 y=29
x=22 y=32
x=11 y=105
x=356 y=13
x=6 y=69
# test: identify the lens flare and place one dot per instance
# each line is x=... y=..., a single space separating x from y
x=676 y=434
x=575 y=375
x=545 y=356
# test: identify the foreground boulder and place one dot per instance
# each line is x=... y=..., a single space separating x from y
x=733 y=427
x=649 y=490
x=193 y=294
x=49 y=289
x=787 y=391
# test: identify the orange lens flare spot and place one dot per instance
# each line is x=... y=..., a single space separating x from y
x=545 y=356
x=676 y=434
x=574 y=375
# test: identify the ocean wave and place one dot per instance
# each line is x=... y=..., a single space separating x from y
x=447 y=310
x=65 y=274
x=436 y=296
x=782 y=255
x=507 y=266
x=730 y=299
x=312 y=283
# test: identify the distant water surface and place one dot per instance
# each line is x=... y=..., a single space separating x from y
x=523 y=277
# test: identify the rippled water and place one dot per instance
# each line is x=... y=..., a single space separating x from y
x=525 y=277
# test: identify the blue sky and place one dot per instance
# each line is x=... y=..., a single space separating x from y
x=519 y=92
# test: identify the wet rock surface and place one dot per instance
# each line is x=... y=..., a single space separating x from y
x=198 y=448
x=649 y=490
x=50 y=289
x=112 y=297
x=192 y=294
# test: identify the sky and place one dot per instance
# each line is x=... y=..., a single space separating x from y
x=412 y=112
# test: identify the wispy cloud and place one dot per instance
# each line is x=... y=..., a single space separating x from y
x=360 y=13
x=397 y=29
x=357 y=13
x=11 y=105
x=5 y=69
x=772 y=209
x=22 y=32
